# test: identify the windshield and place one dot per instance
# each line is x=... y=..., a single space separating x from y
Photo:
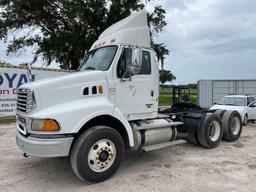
x=98 y=59
x=236 y=101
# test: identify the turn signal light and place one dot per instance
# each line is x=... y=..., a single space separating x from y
x=51 y=125
x=100 y=89
x=113 y=40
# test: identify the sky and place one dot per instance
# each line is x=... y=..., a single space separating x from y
x=213 y=39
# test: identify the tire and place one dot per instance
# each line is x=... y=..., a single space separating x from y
x=220 y=112
x=191 y=125
x=232 y=125
x=245 y=120
x=210 y=132
x=97 y=154
x=192 y=136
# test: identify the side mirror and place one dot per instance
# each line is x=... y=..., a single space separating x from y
x=136 y=61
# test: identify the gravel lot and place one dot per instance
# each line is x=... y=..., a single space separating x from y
x=230 y=167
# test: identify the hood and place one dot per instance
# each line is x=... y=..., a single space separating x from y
x=51 y=91
x=239 y=109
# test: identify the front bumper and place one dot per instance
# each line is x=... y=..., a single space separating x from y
x=57 y=147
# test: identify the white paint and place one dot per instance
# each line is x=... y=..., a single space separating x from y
x=210 y=92
x=62 y=98
x=10 y=79
x=132 y=30
x=247 y=109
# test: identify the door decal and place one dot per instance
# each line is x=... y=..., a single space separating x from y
x=132 y=89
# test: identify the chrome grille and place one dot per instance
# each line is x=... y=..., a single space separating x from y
x=25 y=103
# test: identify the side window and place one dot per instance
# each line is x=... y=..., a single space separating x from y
x=146 y=63
x=249 y=100
x=124 y=62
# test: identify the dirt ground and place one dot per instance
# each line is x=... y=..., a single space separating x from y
x=183 y=168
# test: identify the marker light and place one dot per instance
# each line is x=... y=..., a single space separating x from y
x=100 y=89
x=44 y=125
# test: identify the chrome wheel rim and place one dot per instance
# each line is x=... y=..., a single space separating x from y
x=235 y=126
x=214 y=131
x=101 y=155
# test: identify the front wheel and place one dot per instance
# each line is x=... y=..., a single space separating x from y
x=97 y=154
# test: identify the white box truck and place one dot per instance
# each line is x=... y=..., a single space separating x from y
x=111 y=105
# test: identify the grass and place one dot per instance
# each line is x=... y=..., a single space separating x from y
x=168 y=91
x=7 y=121
x=165 y=98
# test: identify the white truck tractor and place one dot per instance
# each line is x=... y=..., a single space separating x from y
x=111 y=105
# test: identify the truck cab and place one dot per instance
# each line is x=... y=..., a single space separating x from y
x=109 y=105
x=117 y=82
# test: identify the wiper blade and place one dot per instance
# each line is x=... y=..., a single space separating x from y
x=90 y=68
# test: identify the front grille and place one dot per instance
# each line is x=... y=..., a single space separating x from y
x=25 y=103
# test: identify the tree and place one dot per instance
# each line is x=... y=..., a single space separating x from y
x=63 y=30
x=161 y=51
x=165 y=76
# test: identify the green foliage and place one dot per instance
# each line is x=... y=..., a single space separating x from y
x=165 y=100
x=165 y=97
x=166 y=75
x=7 y=120
x=161 y=52
x=63 y=30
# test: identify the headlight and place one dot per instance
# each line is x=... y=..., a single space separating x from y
x=44 y=125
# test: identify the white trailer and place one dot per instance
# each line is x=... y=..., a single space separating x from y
x=210 y=92
x=111 y=105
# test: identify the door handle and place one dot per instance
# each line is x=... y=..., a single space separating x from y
x=152 y=93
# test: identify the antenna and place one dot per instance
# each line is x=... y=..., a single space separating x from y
x=29 y=72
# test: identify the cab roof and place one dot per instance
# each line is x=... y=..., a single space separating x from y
x=132 y=30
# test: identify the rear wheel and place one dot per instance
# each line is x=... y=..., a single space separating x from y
x=210 y=132
x=191 y=124
x=192 y=136
x=220 y=112
x=97 y=154
x=232 y=125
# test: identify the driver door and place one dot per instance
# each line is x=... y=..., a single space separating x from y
x=135 y=96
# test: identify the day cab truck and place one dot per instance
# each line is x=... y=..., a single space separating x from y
x=111 y=105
